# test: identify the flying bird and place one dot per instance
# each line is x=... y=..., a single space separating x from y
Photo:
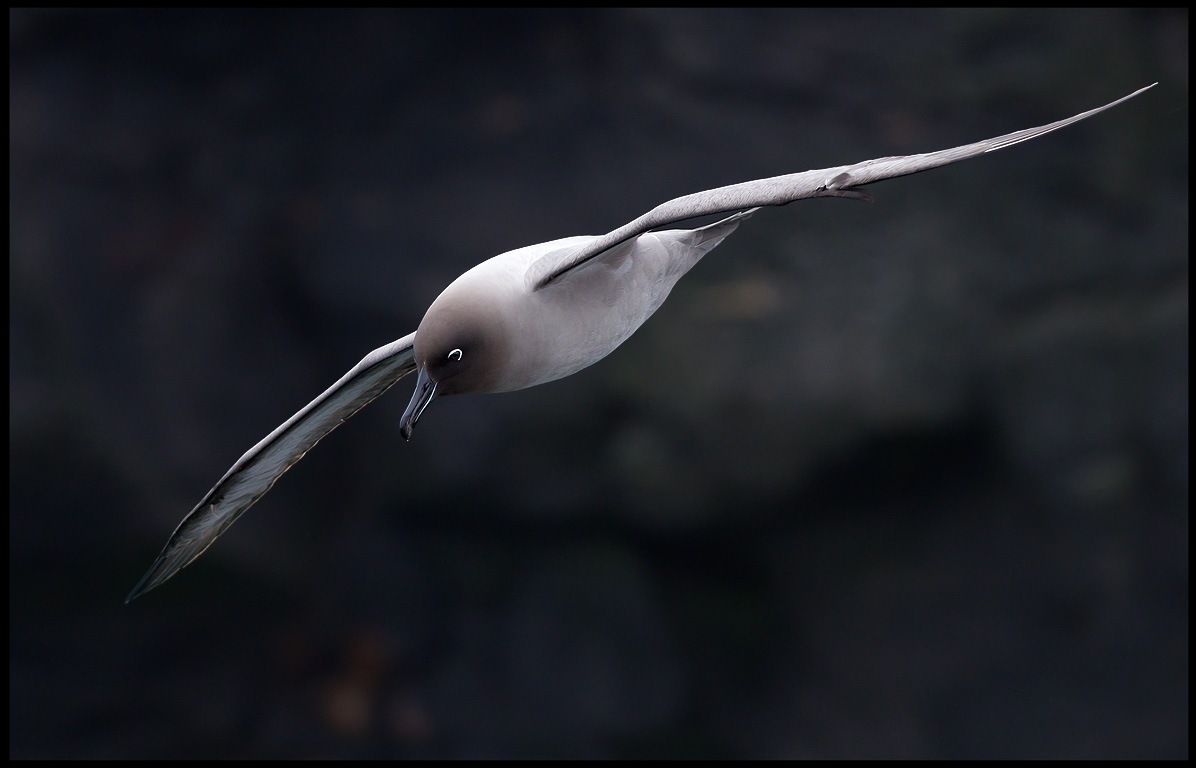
x=534 y=315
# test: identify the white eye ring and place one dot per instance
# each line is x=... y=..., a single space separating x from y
x=454 y=355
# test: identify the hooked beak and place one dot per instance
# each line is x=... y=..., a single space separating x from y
x=425 y=390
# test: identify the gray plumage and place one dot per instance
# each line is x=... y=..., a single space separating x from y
x=782 y=190
x=255 y=472
x=533 y=315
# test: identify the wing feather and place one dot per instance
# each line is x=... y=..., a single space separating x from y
x=782 y=190
x=255 y=472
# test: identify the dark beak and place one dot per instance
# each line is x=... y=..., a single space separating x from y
x=425 y=390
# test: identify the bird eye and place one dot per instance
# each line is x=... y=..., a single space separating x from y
x=455 y=354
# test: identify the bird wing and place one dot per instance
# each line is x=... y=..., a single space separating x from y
x=782 y=190
x=255 y=472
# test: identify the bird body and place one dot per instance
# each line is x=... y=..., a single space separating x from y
x=546 y=333
x=533 y=315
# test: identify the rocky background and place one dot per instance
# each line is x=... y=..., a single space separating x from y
x=897 y=480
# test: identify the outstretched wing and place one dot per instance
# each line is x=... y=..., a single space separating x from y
x=781 y=190
x=255 y=472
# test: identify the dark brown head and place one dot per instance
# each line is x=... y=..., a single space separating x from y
x=460 y=347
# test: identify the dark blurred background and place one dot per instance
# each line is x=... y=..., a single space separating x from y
x=895 y=480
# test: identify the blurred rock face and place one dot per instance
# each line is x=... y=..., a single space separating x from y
x=905 y=479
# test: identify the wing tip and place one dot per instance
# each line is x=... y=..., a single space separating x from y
x=141 y=587
x=160 y=572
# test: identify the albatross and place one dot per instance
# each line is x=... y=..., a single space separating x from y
x=533 y=315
